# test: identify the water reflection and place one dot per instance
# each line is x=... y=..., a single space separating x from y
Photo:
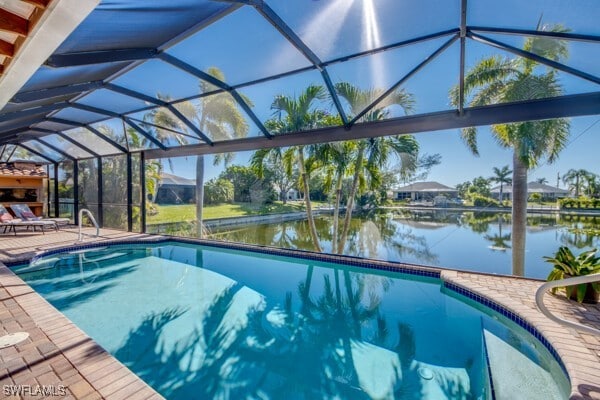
x=464 y=240
x=323 y=340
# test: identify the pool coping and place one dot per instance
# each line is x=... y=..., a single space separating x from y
x=577 y=360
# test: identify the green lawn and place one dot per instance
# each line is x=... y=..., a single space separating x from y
x=187 y=212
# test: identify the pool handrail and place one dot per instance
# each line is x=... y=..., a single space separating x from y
x=539 y=300
x=91 y=217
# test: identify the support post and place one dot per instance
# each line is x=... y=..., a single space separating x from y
x=100 y=194
x=56 y=205
x=143 y=192
x=129 y=194
x=76 y=192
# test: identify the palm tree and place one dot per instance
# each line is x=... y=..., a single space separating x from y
x=372 y=154
x=592 y=185
x=220 y=119
x=501 y=79
x=292 y=115
x=337 y=158
x=218 y=116
x=271 y=161
x=576 y=178
x=501 y=176
x=542 y=181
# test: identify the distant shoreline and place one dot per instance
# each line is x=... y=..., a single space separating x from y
x=532 y=210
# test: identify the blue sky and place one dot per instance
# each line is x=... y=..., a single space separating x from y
x=337 y=27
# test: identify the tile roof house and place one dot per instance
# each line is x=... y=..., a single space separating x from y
x=547 y=191
x=23 y=183
x=175 y=189
x=423 y=191
x=22 y=169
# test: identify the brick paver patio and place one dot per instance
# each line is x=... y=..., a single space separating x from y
x=59 y=353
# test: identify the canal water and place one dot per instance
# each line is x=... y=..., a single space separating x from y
x=475 y=241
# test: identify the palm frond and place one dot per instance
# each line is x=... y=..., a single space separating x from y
x=469 y=136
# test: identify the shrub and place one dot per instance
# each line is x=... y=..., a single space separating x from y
x=581 y=202
x=483 y=201
x=218 y=191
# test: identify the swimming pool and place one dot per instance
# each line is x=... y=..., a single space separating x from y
x=207 y=322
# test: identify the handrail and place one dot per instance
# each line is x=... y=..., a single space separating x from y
x=91 y=217
x=539 y=300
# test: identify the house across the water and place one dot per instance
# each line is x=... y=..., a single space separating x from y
x=548 y=192
x=424 y=191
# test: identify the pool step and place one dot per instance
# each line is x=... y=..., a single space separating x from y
x=514 y=375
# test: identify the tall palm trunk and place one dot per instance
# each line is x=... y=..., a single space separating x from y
x=350 y=203
x=336 y=214
x=307 y=202
x=199 y=194
x=500 y=193
x=519 y=214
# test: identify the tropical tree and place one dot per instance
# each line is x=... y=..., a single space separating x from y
x=374 y=153
x=297 y=114
x=592 y=185
x=480 y=186
x=576 y=179
x=500 y=79
x=153 y=172
x=542 y=181
x=501 y=176
x=337 y=157
x=217 y=116
x=220 y=119
x=218 y=191
x=269 y=162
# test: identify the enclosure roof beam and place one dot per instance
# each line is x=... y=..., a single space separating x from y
x=37 y=153
x=528 y=32
x=99 y=57
x=104 y=137
x=90 y=128
x=144 y=133
x=534 y=57
x=158 y=102
x=413 y=71
x=34 y=95
x=78 y=144
x=32 y=111
x=96 y=110
x=56 y=149
x=176 y=62
x=288 y=33
x=66 y=137
x=565 y=106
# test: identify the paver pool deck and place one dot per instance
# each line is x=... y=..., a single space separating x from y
x=61 y=356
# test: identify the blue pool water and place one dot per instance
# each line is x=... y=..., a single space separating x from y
x=197 y=322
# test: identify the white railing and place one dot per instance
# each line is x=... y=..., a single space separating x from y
x=539 y=300
x=91 y=217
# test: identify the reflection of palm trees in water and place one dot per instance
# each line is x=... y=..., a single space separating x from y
x=375 y=237
x=372 y=238
x=499 y=240
x=305 y=350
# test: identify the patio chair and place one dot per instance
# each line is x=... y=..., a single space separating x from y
x=9 y=223
x=23 y=212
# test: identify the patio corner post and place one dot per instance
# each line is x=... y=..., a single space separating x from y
x=56 y=198
x=129 y=193
x=143 y=192
x=76 y=192
x=100 y=216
